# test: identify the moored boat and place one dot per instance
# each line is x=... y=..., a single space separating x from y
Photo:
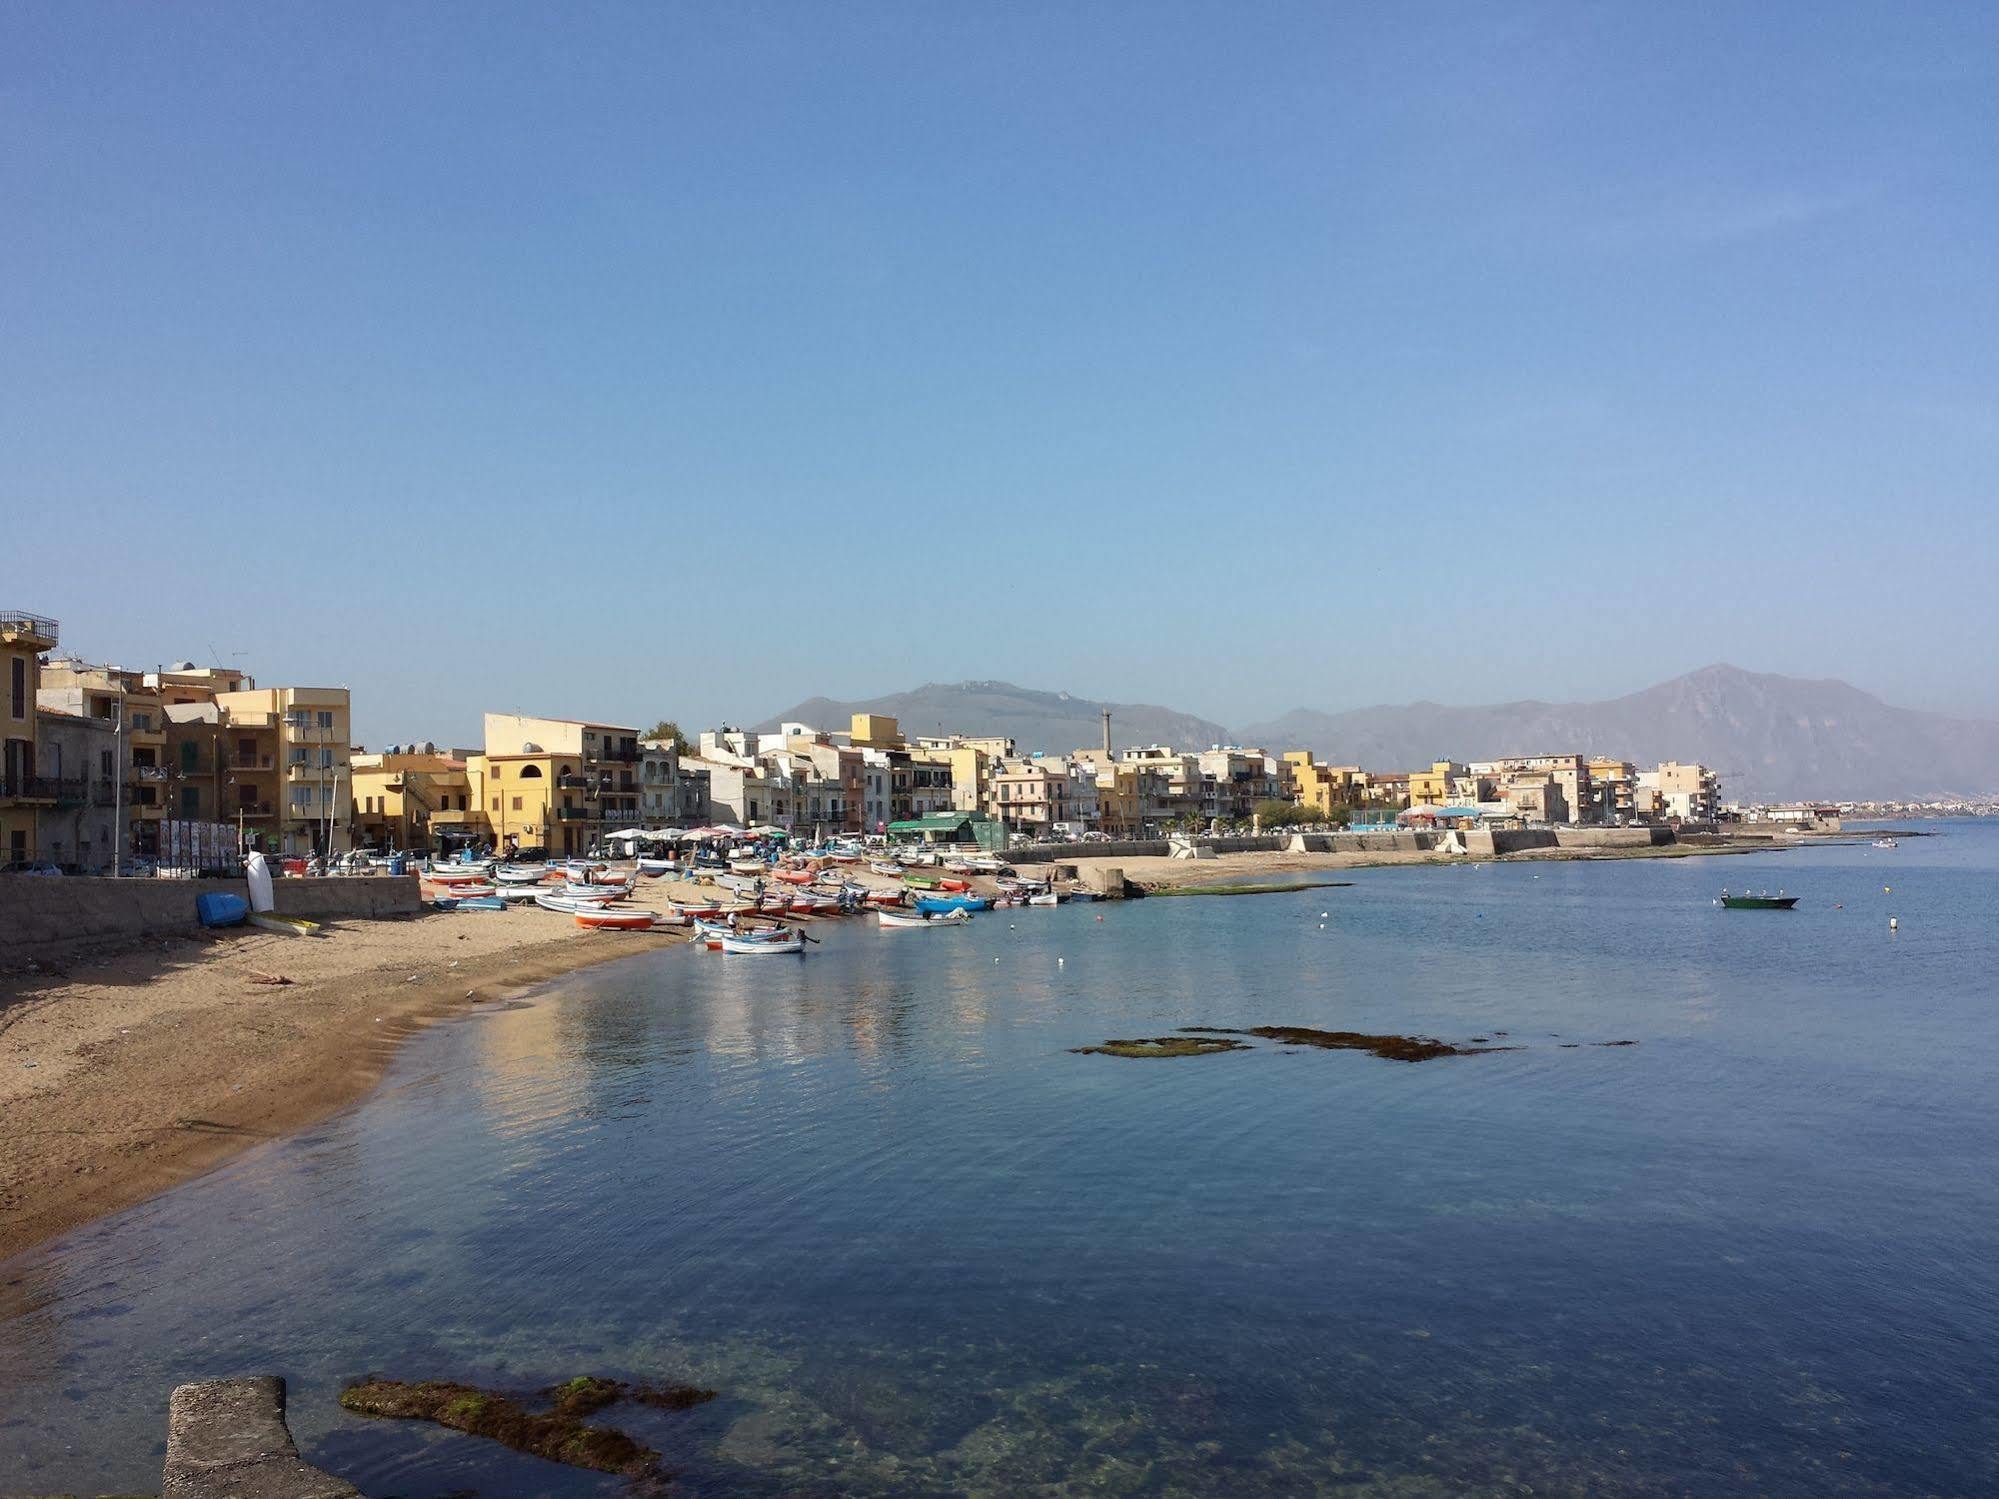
x=904 y=920
x=1747 y=902
x=763 y=947
x=943 y=905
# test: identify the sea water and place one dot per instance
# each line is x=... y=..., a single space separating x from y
x=920 y=1246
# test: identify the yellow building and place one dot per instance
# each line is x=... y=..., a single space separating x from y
x=875 y=731
x=554 y=783
x=417 y=801
x=1323 y=788
x=311 y=780
x=23 y=794
x=1432 y=787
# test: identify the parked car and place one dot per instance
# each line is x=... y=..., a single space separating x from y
x=40 y=867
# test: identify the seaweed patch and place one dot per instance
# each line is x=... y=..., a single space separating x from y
x=559 y=1434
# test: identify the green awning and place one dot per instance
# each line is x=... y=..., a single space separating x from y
x=932 y=822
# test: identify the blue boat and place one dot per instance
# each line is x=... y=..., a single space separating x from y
x=944 y=905
x=219 y=908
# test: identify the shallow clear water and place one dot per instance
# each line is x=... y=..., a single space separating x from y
x=921 y=1248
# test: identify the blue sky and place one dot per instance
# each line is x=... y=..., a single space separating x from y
x=690 y=360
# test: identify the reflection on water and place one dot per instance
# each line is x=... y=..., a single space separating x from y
x=921 y=1248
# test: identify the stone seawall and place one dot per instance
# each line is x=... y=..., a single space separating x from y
x=47 y=917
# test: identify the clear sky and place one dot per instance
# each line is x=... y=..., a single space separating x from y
x=688 y=360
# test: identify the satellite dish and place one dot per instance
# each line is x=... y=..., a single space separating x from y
x=530 y=748
x=429 y=747
x=183 y=666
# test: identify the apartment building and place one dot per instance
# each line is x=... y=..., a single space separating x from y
x=1690 y=792
x=1326 y=789
x=418 y=800
x=555 y=783
x=311 y=780
x=132 y=706
x=24 y=793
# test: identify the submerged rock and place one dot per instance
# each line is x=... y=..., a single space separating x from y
x=559 y=1435
x=1390 y=1048
x=1162 y=1046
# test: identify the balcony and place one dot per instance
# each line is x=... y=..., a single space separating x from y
x=575 y=814
x=251 y=809
x=150 y=775
x=574 y=782
x=33 y=788
x=30 y=629
x=241 y=761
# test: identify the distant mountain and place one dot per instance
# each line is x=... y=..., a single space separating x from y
x=1770 y=737
x=1052 y=721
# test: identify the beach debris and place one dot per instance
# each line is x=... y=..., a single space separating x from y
x=31 y=1064
x=1162 y=1046
x=273 y=980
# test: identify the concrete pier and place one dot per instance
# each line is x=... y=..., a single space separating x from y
x=227 y=1439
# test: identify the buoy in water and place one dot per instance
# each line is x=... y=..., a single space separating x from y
x=1893 y=924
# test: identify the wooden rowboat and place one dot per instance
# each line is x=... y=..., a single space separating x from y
x=903 y=920
x=763 y=947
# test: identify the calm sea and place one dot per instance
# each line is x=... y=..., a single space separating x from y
x=921 y=1248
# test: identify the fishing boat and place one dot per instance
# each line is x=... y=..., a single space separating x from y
x=469 y=903
x=922 y=881
x=598 y=894
x=1746 y=902
x=880 y=898
x=517 y=892
x=884 y=866
x=1045 y=898
x=520 y=874
x=1886 y=843
x=471 y=874
x=796 y=876
x=694 y=910
x=763 y=947
x=943 y=905
x=657 y=867
x=902 y=920
x=954 y=887
x=568 y=905
x=748 y=866
x=620 y=920
x=739 y=884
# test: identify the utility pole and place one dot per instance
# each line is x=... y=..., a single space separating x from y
x=117 y=783
x=1107 y=733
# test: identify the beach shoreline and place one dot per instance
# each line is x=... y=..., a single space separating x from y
x=130 y=1071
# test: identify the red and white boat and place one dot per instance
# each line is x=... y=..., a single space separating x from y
x=617 y=919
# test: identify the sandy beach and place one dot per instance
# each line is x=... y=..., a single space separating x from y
x=127 y=1073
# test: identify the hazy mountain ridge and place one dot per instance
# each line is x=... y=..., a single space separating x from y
x=1053 y=721
x=1770 y=737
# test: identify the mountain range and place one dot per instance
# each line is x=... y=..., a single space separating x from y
x=1769 y=737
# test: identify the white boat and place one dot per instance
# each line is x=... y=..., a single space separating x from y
x=751 y=947
x=883 y=866
x=657 y=867
x=1886 y=843
x=900 y=919
x=1046 y=898
x=569 y=905
x=740 y=884
x=594 y=892
x=517 y=892
x=520 y=874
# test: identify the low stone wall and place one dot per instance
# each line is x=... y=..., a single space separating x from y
x=1130 y=848
x=1645 y=837
x=44 y=917
x=227 y=1439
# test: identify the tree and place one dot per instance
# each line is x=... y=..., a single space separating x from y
x=667 y=729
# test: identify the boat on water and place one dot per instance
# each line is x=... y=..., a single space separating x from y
x=1747 y=902
x=763 y=947
x=943 y=905
x=904 y=920
x=621 y=919
x=1045 y=898
x=1886 y=843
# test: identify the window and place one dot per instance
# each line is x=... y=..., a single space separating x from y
x=104 y=761
x=496 y=804
x=326 y=720
x=326 y=759
x=19 y=693
x=517 y=804
x=190 y=801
